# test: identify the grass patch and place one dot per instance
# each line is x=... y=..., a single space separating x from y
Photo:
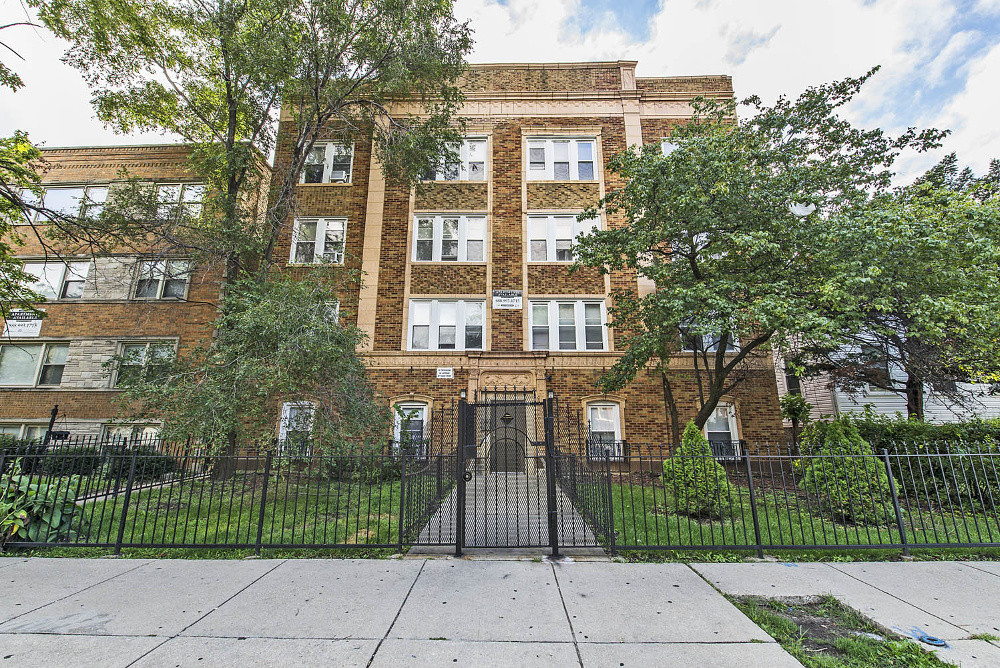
x=643 y=515
x=828 y=634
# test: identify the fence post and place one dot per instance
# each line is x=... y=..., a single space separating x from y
x=895 y=503
x=463 y=410
x=402 y=502
x=753 y=505
x=550 y=477
x=440 y=483
x=263 y=505
x=128 y=497
x=611 y=506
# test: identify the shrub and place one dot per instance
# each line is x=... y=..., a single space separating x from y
x=150 y=464
x=79 y=460
x=695 y=477
x=842 y=474
x=882 y=431
x=34 y=511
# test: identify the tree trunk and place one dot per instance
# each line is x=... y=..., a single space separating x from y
x=225 y=462
x=914 y=398
x=671 y=408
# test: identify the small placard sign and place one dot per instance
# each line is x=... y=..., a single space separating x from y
x=507 y=299
x=23 y=324
x=446 y=372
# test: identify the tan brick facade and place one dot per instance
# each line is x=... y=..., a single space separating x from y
x=508 y=105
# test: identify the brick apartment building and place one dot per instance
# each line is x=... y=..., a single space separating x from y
x=129 y=304
x=466 y=282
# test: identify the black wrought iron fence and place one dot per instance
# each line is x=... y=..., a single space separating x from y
x=769 y=497
x=628 y=497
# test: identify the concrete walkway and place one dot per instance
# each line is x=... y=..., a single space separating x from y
x=507 y=509
x=106 y=612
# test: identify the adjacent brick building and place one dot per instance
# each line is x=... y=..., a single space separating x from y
x=466 y=280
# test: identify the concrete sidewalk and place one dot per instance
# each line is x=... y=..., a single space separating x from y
x=105 y=612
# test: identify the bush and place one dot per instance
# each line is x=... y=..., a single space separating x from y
x=37 y=512
x=78 y=460
x=843 y=475
x=695 y=477
x=150 y=464
x=970 y=481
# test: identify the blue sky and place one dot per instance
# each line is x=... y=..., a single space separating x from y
x=940 y=58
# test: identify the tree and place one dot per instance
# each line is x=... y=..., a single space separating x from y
x=711 y=225
x=923 y=265
x=218 y=73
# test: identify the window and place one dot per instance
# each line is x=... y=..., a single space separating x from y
x=147 y=360
x=48 y=278
x=568 y=325
x=721 y=432
x=162 y=279
x=410 y=428
x=875 y=364
x=131 y=433
x=72 y=201
x=328 y=162
x=561 y=159
x=296 y=422
x=792 y=383
x=692 y=339
x=604 y=432
x=318 y=241
x=75 y=280
x=36 y=364
x=24 y=432
x=444 y=238
x=446 y=325
x=332 y=311
x=550 y=238
x=667 y=147
x=467 y=164
x=174 y=198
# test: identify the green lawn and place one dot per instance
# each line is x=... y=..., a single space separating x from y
x=644 y=516
x=217 y=514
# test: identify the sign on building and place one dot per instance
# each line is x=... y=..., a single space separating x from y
x=22 y=324
x=507 y=299
x=446 y=372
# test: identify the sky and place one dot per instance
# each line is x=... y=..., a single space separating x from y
x=940 y=59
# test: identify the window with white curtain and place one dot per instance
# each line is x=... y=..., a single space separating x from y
x=561 y=158
x=551 y=237
x=604 y=430
x=568 y=325
x=468 y=162
x=449 y=238
x=318 y=241
x=440 y=324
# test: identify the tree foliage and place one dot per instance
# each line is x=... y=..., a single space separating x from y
x=710 y=225
x=922 y=263
x=277 y=338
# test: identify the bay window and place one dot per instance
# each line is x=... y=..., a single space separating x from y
x=467 y=163
x=328 y=162
x=447 y=238
x=561 y=158
x=439 y=324
x=33 y=364
x=318 y=240
x=568 y=325
x=551 y=237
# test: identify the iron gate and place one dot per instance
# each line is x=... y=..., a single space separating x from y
x=515 y=487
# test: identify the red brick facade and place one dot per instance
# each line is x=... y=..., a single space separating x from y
x=507 y=105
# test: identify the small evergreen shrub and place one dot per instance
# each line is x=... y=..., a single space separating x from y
x=842 y=475
x=696 y=479
x=71 y=461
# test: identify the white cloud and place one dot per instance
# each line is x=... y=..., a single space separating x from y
x=950 y=55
